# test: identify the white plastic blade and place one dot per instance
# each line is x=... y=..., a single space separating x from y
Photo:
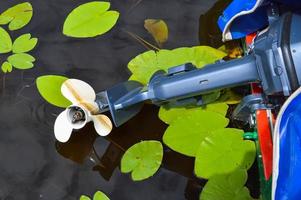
x=102 y=124
x=62 y=127
x=78 y=91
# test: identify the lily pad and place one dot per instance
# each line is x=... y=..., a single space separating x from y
x=90 y=20
x=142 y=159
x=50 y=89
x=6 y=42
x=158 y=29
x=144 y=65
x=227 y=187
x=21 y=60
x=84 y=197
x=17 y=16
x=97 y=196
x=185 y=134
x=6 y=67
x=24 y=43
x=227 y=148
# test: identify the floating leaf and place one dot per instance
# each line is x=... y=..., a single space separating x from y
x=230 y=97
x=6 y=67
x=158 y=29
x=146 y=64
x=90 y=20
x=24 y=43
x=6 y=42
x=100 y=196
x=142 y=159
x=84 y=197
x=17 y=16
x=227 y=148
x=227 y=187
x=185 y=134
x=50 y=89
x=21 y=60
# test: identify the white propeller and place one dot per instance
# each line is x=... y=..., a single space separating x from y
x=83 y=110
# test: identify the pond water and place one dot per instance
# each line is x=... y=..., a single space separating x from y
x=35 y=166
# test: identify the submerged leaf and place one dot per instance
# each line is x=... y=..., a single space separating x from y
x=50 y=89
x=6 y=42
x=146 y=64
x=186 y=133
x=142 y=159
x=21 y=60
x=158 y=29
x=90 y=20
x=6 y=67
x=24 y=43
x=100 y=196
x=226 y=147
x=227 y=187
x=17 y=16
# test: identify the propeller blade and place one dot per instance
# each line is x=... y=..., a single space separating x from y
x=102 y=124
x=78 y=91
x=62 y=127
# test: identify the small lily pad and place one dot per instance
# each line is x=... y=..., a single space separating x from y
x=142 y=159
x=97 y=196
x=227 y=187
x=6 y=42
x=24 y=43
x=21 y=60
x=227 y=148
x=50 y=89
x=6 y=67
x=158 y=29
x=185 y=134
x=17 y=16
x=84 y=197
x=90 y=20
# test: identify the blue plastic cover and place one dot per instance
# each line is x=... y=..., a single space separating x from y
x=287 y=151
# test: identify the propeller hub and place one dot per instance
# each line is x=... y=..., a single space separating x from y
x=77 y=116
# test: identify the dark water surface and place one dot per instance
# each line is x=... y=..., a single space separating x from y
x=32 y=164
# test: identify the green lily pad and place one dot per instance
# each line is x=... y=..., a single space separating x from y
x=90 y=20
x=144 y=65
x=50 y=89
x=227 y=187
x=6 y=67
x=24 y=43
x=168 y=115
x=84 y=197
x=100 y=196
x=21 y=60
x=227 y=148
x=6 y=42
x=185 y=134
x=17 y=16
x=142 y=159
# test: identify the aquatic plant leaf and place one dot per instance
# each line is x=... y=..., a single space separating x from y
x=100 y=196
x=227 y=148
x=17 y=16
x=146 y=64
x=142 y=159
x=6 y=67
x=168 y=115
x=90 y=20
x=185 y=134
x=158 y=29
x=227 y=187
x=21 y=60
x=6 y=42
x=49 y=87
x=24 y=43
x=230 y=97
x=84 y=197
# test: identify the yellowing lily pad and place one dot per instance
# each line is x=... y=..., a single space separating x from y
x=24 y=43
x=186 y=133
x=6 y=42
x=90 y=20
x=50 y=89
x=227 y=187
x=17 y=16
x=142 y=159
x=158 y=29
x=227 y=148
